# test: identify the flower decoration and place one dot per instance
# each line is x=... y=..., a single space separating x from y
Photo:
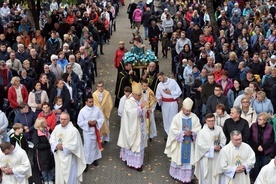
x=140 y=58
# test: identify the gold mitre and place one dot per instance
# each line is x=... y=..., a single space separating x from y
x=136 y=88
x=188 y=104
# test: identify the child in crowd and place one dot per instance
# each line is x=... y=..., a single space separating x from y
x=127 y=92
x=57 y=106
x=18 y=137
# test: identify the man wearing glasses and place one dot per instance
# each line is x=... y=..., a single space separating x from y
x=103 y=100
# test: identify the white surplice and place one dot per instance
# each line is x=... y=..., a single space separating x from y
x=91 y=148
x=70 y=162
x=20 y=164
x=205 y=155
x=169 y=109
x=267 y=174
x=230 y=157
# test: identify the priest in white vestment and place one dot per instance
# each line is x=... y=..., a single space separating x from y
x=167 y=94
x=66 y=144
x=180 y=145
x=133 y=136
x=15 y=164
x=209 y=141
x=90 y=120
x=267 y=174
x=235 y=161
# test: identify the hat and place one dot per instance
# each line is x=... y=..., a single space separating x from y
x=188 y=104
x=273 y=57
x=136 y=88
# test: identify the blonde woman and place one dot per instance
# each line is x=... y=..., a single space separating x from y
x=262 y=104
x=43 y=157
x=17 y=93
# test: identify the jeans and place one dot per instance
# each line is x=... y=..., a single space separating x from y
x=146 y=30
x=48 y=175
x=260 y=162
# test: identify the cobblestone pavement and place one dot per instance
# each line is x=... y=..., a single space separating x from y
x=111 y=169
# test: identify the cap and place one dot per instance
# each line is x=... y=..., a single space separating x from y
x=188 y=104
x=273 y=57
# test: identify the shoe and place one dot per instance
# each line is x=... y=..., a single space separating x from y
x=86 y=169
x=150 y=139
x=140 y=169
x=102 y=53
x=105 y=142
x=165 y=139
x=95 y=163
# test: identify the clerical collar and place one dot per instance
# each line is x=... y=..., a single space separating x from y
x=237 y=147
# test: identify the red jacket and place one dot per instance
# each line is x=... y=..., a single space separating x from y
x=50 y=119
x=13 y=98
x=118 y=56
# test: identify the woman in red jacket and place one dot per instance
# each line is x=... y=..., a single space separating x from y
x=17 y=93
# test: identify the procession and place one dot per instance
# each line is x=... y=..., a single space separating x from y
x=137 y=92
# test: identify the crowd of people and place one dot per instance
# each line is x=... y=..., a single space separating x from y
x=226 y=123
x=225 y=127
x=46 y=78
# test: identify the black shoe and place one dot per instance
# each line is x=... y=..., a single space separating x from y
x=102 y=53
x=86 y=169
x=140 y=169
x=105 y=142
x=95 y=163
x=165 y=138
x=150 y=139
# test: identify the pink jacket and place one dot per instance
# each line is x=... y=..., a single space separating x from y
x=31 y=99
x=137 y=15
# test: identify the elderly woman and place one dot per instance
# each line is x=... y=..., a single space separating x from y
x=248 y=113
x=261 y=141
x=17 y=93
x=221 y=115
x=225 y=82
x=36 y=98
x=26 y=117
x=43 y=159
x=234 y=92
x=262 y=104
x=48 y=115
x=30 y=71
